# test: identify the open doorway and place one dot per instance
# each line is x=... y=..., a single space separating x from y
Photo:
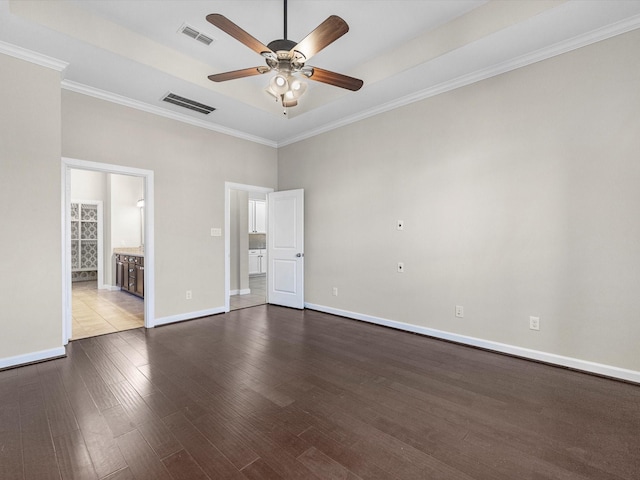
x=107 y=230
x=246 y=245
x=100 y=296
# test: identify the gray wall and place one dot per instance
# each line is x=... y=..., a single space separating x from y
x=30 y=191
x=519 y=195
x=190 y=167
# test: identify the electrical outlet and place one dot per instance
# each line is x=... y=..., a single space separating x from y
x=459 y=311
x=189 y=295
x=400 y=225
x=534 y=323
x=400 y=267
x=216 y=232
x=335 y=291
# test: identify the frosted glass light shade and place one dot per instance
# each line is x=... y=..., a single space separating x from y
x=279 y=84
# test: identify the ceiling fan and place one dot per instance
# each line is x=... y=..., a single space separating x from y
x=288 y=58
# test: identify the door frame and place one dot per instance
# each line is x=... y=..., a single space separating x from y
x=149 y=248
x=228 y=186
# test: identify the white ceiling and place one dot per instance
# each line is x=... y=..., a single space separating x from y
x=404 y=50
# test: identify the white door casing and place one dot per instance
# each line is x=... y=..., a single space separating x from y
x=227 y=234
x=285 y=242
x=149 y=278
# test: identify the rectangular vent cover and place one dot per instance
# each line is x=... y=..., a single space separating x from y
x=189 y=31
x=187 y=103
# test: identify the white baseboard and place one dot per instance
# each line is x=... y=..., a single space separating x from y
x=552 y=358
x=244 y=291
x=111 y=288
x=187 y=316
x=32 y=357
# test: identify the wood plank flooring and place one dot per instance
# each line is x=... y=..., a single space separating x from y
x=275 y=393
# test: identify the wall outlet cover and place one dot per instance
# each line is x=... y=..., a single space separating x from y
x=534 y=323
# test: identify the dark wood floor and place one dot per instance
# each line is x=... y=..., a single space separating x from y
x=271 y=393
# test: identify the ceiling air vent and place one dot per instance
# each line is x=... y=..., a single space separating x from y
x=189 y=31
x=187 y=103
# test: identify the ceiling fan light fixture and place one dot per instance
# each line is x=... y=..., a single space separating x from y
x=288 y=58
x=287 y=89
x=279 y=85
x=297 y=87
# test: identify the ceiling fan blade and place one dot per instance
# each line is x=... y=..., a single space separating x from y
x=247 y=72
x=336 y=79
x=326 y=33
x=227 y=26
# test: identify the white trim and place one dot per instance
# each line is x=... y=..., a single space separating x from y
x=228 y=186
x=181 y=317
x=32 y=357
x=559 y=48
x=65 y=206
x=146 y=107
x=32 y=57
x=552 y=358
x=149 y=249
x=244 y=291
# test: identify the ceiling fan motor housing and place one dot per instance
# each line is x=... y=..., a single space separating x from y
x=282 y=45
x=284 y=62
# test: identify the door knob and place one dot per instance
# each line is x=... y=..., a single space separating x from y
x=299 y=255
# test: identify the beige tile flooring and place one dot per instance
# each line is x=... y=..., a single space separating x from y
x=96 y=312
x=258 y=295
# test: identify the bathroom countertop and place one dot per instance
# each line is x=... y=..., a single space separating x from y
x=137 y=251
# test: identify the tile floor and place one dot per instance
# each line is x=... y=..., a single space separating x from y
x=96 y=312
x=258 y=295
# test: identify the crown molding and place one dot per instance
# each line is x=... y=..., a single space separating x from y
x=145 y=107
x=32 y=57
x=559 y=48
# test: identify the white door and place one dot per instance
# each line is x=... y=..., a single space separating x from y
x=285 y=242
